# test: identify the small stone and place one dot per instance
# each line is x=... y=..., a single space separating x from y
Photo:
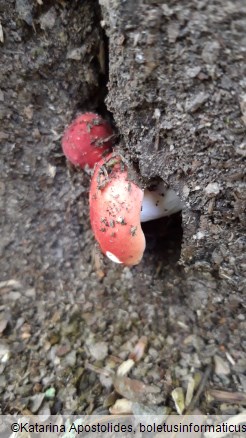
x=192 y=72
x=166 y=10
x=221 y=367
x=169 y=340
x=199 y=235
x=125 y=367
x=121 y=407
x=77 y=54
x=99 y=350
x=19 y=323
x=14 y=295
x=30 y=293
x=212 y=189
x=157 y=113
x=47 y=20
x=139 y=57
x=51 y=170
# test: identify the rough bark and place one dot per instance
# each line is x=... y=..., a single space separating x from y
x=177 y=93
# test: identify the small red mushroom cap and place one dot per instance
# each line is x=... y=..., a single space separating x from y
x=115 y=206
x=87 y=140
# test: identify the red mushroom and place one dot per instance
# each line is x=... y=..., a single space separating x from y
x=115 y=206
x=87 y=140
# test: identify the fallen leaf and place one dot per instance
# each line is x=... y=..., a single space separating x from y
x=135 y=390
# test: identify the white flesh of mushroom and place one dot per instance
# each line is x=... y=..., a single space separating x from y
x=159 y=203
x=112 y=257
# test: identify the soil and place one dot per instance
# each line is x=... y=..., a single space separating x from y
x=170 y=77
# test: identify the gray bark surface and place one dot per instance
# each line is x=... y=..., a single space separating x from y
x=177 y=93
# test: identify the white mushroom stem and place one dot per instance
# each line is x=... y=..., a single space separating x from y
x=159 y=203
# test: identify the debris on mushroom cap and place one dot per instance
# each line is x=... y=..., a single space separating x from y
x=87 y=140
x=115 y=205
x=159 y=202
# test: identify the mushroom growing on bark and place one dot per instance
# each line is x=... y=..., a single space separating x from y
x=117 y=207
x=87 y=140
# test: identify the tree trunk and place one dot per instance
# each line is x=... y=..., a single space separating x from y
x=177 y=92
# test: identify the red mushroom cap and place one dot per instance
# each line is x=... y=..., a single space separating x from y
x=115 y=206
x=87 y=139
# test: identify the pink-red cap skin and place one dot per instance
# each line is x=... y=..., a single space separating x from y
x=87 y=139
x=115 y=206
